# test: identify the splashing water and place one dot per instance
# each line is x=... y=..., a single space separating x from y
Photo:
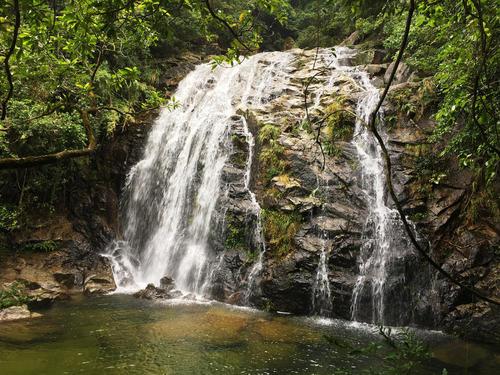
x=171 y=194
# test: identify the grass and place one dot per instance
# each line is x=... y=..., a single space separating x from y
x=280 y=229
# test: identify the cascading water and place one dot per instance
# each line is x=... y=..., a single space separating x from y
x=321 y=293
x=171 y=194
x=379 y=290
x=384 y=250
x=256 y=269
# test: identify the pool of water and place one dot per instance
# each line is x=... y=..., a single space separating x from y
x=118 y=334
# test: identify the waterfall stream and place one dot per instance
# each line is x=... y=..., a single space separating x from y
x=170 y=198
x=379 y=289
x=171 y=194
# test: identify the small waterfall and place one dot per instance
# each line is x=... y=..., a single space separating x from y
x=256 y=269
x=171 y=194
x=379 y=291
x=380 y=294
x=321 y=293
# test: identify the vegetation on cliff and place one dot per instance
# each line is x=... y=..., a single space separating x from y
x=74 y=72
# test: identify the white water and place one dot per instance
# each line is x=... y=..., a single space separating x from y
x=384 y=247
x=171 y=194
x=321 y=293
x=256 y=269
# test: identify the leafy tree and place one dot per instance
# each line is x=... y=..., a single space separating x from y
x=76 y=63
x=75 y=71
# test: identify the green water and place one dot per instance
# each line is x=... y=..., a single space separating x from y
x=121 y=335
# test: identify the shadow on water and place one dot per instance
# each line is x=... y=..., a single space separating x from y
x=119 y=334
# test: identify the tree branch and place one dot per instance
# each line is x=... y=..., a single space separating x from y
x=32 y=161
x=226 y=24
x=6 y=62
x=388 y=165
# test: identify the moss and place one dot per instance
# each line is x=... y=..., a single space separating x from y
x=237 y=237
x=484 y=204
x=42 y=246
x=240 y=145
x=412 y=100
x=13 y=295
x=268 y=133
x=271 y=157
x=419 y=216
x=9 y=217
x=235 y=234
x=340 y=121
x=279 y=229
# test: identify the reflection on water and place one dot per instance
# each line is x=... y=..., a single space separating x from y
x=118 y=334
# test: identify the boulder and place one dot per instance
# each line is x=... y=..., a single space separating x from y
x=166 y=290
x=352 y=39
x=402 y=74
x=17 y=313
x=99 y=284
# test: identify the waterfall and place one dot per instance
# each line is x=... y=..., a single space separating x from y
x=379 y=291
x=171 y=194
x=170 y=197
x=256 y=269
x=380 y=294
x=321 y=293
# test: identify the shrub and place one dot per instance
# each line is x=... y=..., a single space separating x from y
x=13 y=296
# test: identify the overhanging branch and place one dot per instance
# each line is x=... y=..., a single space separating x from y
x=32 y=161
x=388 y=164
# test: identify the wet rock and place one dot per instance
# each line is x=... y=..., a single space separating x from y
x=44 y=298
x=166 y=290
x=152 y=292
x=352 y=39
x=17 y=313
x=302 y=204
x=476 y=321
x=376 y=69
x=402 y=74
x=99 y=284
x=236 y=298
x=167 y=283
x=69 y=280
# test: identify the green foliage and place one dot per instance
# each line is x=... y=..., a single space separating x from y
x=452 y=43
x=13 y=295
x=271 y=156
x=235 y=234
x=325 y=23
x=340 y=121
x=42 y=247
x=279 y=229
x=447 y=43
x=414 y=99
x=408 y=352
x=100 y=56
x=9 y=218
x=400 y=353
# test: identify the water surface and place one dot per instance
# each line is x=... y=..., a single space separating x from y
x=118 y=334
